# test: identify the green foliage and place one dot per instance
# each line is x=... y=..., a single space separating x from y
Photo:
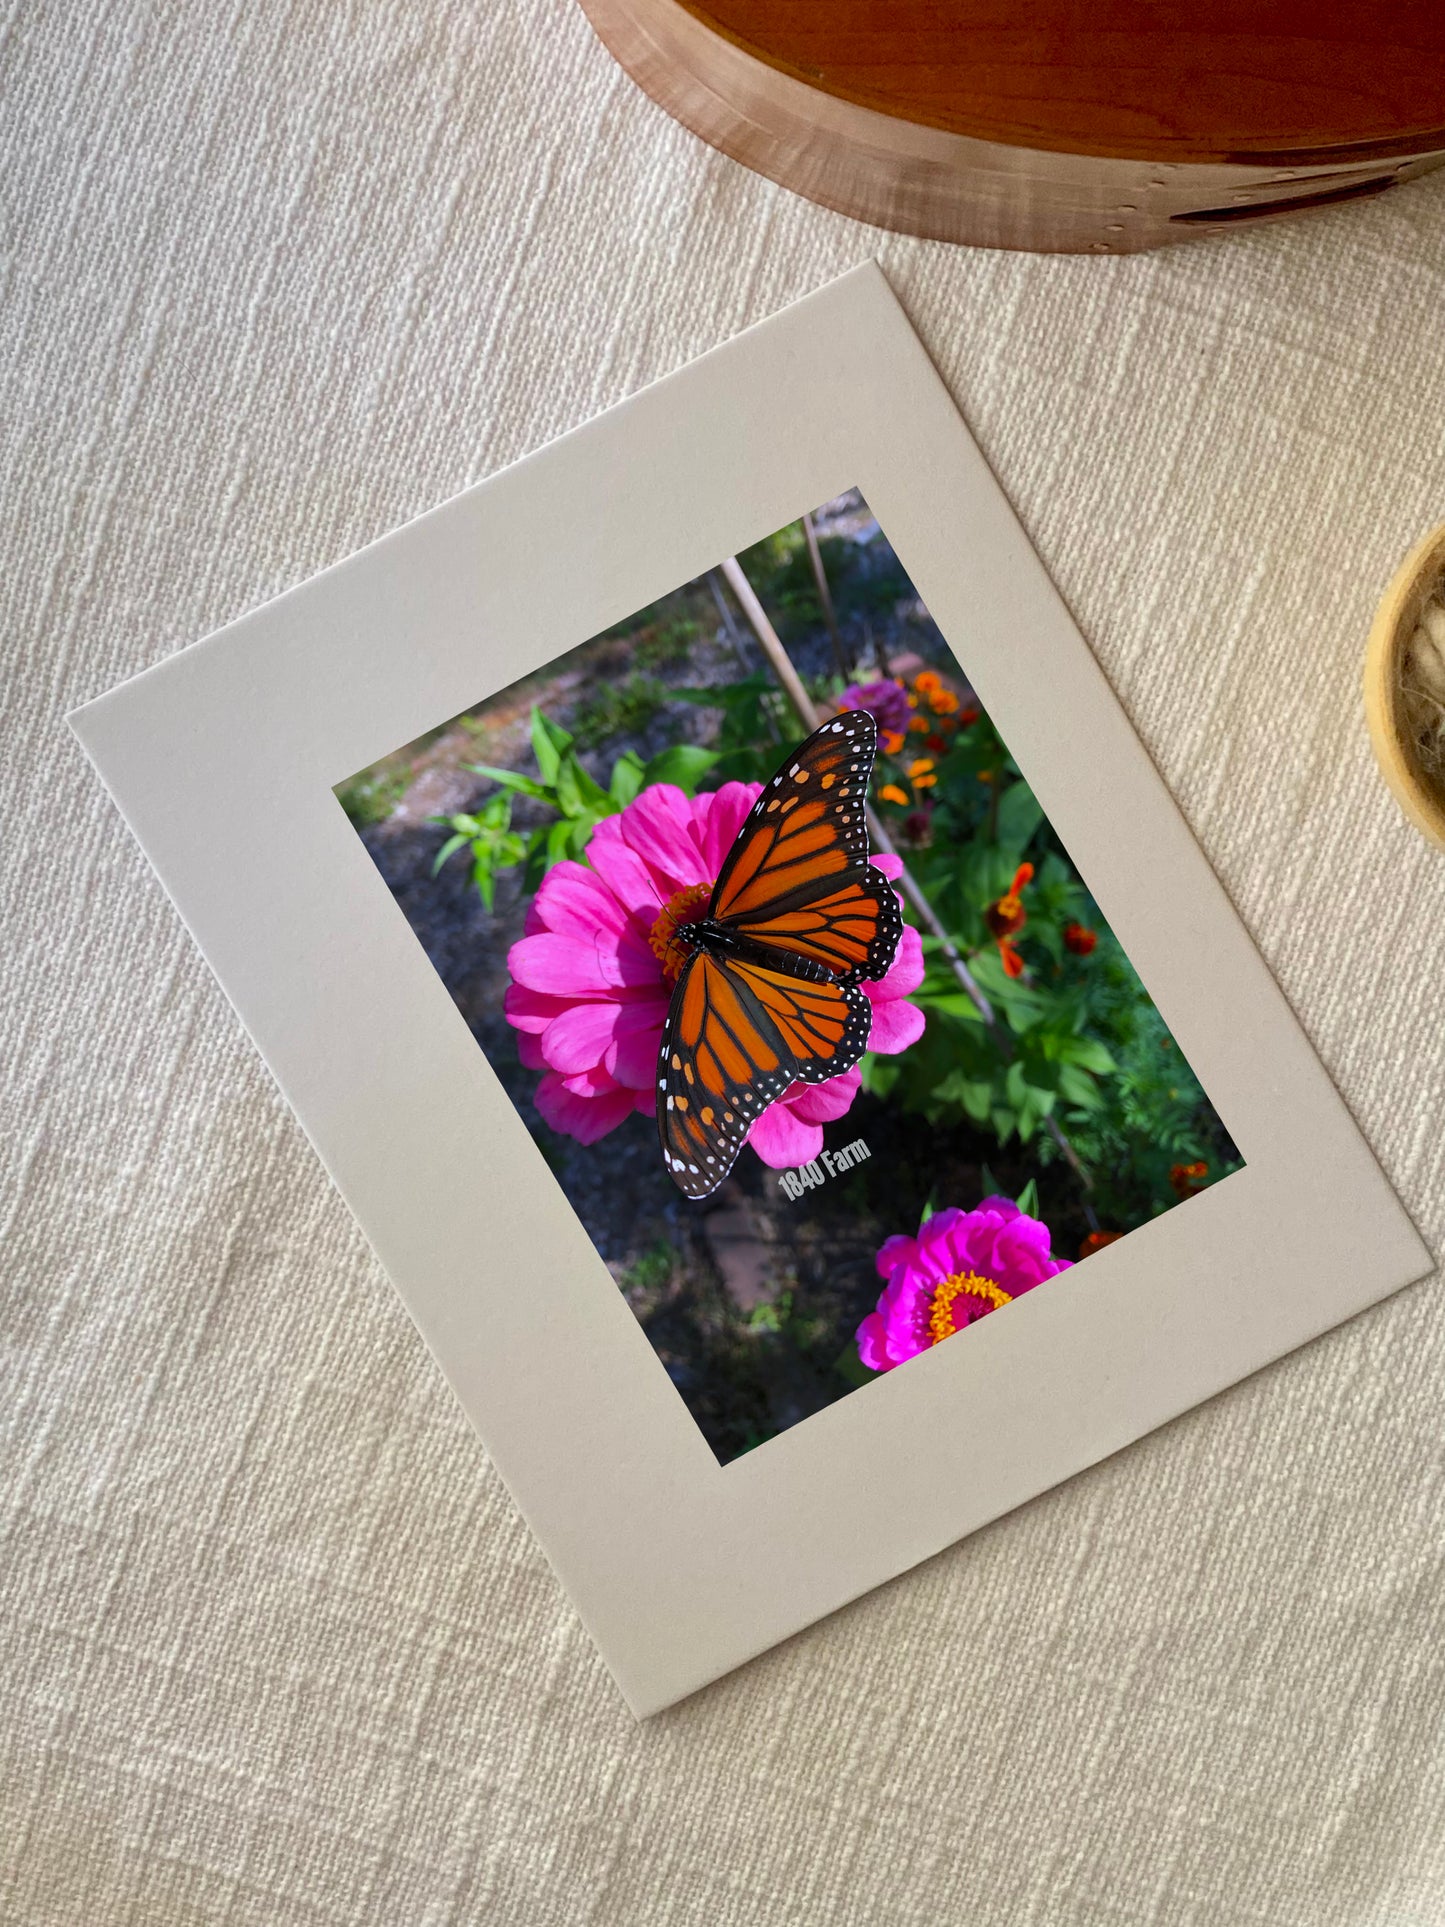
x=1156 y=1114
x=651 y=1272
x=757 y=730
x=617 y=707
x=372 y=796
x=781 y=573
x=665 y=643
x=574 y=802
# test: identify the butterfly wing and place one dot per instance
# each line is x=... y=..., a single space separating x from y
x=738 y=1034
x=797 y=883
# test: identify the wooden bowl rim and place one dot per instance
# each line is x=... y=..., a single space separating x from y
x=1395 y=621
x=1351 y=148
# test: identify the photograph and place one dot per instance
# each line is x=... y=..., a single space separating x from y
x=789 y=977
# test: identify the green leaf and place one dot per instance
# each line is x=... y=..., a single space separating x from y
x=452 y=844
x=577 y=794
x=1028 y=1199
x=629 y=773
x=1019 y=815
x=851 y=1369
x=482 y=875
x=1077 y=1087
x=549 y=741
x=950 y=1004
x=1089 y=1054
x=509 y=779
x=683 y=765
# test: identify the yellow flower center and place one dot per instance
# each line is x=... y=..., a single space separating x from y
x=678 y=910
x=940 y=1321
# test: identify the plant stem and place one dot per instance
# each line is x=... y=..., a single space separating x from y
x=825 y=597
x=802 y=702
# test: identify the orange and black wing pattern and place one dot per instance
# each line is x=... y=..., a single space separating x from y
x=799 y=920
x=738 y=1034
x=797 y=887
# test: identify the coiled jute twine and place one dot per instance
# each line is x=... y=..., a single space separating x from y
x=1405 y=686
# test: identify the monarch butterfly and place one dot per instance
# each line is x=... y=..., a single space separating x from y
x=770 y=989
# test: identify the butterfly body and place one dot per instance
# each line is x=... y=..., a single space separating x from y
x=769 y=978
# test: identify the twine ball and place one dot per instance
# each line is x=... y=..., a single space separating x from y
x=1405 y=686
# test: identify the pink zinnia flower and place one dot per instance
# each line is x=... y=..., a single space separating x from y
x=593 y=976
x=888 y=702
x=961 y=1266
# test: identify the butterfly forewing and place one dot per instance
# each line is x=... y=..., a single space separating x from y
x=738 y=1034
x=797 y=883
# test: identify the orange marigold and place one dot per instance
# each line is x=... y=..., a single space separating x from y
x=1080 y=939
x=1013 y=963
x=890 y=793
x=1006 y=915
x=1187 y=1179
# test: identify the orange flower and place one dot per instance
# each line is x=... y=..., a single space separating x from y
x=985 y=776
x=921 y=773
x=890 y=793
x=926 y=681
x=892 y=742
x=1006 y=915
x=943 y=702
x=1187 y=1179
x=1079 y=939
x=1013 y=963
x=1096 y=1241
x=918 y=724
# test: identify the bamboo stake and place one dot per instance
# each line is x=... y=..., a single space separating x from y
x=808 y=716
x=825 y=596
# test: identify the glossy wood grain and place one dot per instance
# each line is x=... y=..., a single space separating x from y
x=1104 y=127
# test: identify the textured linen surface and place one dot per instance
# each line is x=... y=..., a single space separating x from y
x=274 y=1647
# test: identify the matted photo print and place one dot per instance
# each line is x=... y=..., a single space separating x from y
x=730 y=949
x=792 y=982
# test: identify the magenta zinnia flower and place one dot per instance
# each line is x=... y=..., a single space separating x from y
x=887 y=701
x=961 y=1266
x=593 y=976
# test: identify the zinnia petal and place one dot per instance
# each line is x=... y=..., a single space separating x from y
x=873 y=1343
x=585 y=1118
x=658 y=826
x=782 y=1139
x=822 y=1103
x=575 y=902
x=896 y=1024
x=581 y=1036
x=637 y=1044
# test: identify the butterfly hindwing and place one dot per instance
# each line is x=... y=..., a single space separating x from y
x=738 y=1034
x=797 y=881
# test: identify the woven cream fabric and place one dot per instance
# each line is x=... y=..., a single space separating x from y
x=274 y=1647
